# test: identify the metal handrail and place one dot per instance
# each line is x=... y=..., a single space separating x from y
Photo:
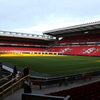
x=6 y=77
x=13 y=84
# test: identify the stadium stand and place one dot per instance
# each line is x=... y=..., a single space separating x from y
x=81 y=38
x=87 y=50
x=17 y=48
x=85 y=92
x=8 y=42
x=6 y=48
x=95 y=38
x=77 y=39
x=76 y=50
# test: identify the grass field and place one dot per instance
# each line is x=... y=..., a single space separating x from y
x=56 y=65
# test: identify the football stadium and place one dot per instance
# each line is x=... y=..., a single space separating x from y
x=58 y=58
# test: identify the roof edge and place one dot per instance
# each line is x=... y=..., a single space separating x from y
x=72 y=27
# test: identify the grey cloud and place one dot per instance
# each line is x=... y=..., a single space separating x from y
x=16 y=14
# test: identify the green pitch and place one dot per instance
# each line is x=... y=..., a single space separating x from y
x=57 y=66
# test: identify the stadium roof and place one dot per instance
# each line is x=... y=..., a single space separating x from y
x=77 y=29
x=23 y=36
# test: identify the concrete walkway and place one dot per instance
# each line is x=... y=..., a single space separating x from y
x=17 y=95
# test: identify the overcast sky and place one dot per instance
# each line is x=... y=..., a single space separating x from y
x=37 y=16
